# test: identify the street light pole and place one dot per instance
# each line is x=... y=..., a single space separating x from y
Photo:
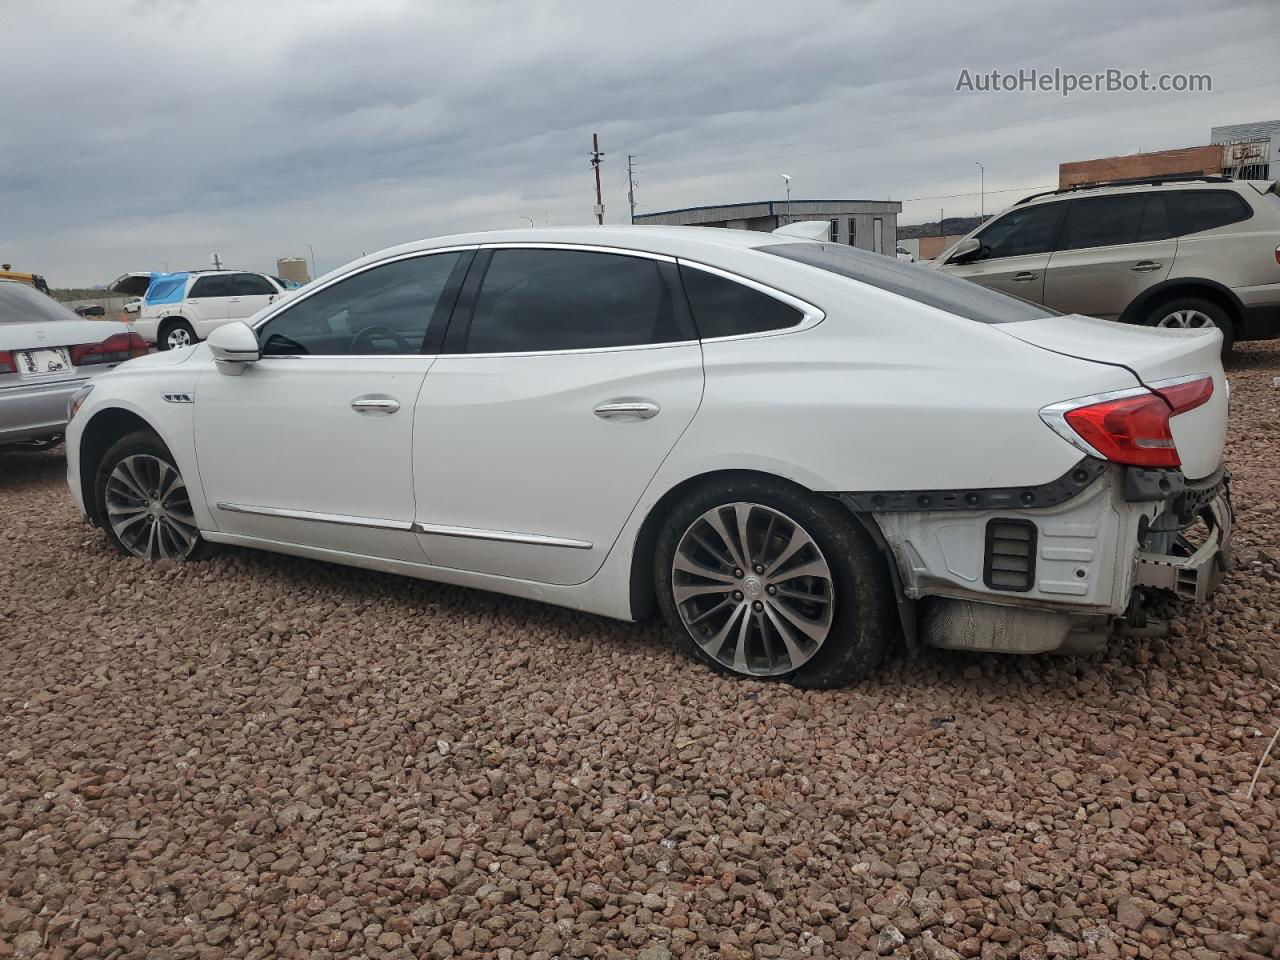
x=982 y=190
x=786 y=178
x=313 y=257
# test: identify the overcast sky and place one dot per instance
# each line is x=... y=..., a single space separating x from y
x=136 y=135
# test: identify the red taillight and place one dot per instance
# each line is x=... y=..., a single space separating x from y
x=1277 y=254
x=118 y=347
x=1185 y=396
x=7 y=363
x=1132 y=430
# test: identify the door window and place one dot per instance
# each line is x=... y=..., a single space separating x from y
x=383 y=310
x=1022 y=232
x=551 y=300
x=725 y=308
x=251 y=285
x=216 y=285
x=1103 y=221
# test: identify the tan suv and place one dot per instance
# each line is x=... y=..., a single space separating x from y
x=1169 y=252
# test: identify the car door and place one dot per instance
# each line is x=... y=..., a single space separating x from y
x=250 y=292
x=313 y=443
x=207 y=302
x=1014 y=252
x=568 y=375
x=1110 y=249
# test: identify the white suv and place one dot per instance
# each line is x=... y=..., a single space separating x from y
x=182 y=309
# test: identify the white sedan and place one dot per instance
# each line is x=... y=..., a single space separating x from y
x=799 y=452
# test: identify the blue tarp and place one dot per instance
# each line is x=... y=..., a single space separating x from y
x=167 y=287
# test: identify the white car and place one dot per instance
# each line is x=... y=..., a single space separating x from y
x=134 y=304
x=798 y=451
x=181 y=308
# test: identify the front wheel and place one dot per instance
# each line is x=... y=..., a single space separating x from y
x=1193 y=313
x=143 y=501
x=761 y=579
x=176 y=335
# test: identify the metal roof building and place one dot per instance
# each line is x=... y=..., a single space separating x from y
x=866 y=224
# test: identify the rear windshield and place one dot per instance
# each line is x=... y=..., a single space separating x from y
x=915 y=281
x=22 y=304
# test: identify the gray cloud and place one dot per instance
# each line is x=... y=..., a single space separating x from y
x=136 y=134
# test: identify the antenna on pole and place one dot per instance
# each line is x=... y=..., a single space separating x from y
x=595 y=165
x=631 y=188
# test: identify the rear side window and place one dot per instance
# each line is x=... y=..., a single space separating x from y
x=914 y=281
x=540 y=300
x=724 y=308
x=251 y=285
x=1192 y=211
x=214 y=286
x=1103 y=221
x=1022 y=231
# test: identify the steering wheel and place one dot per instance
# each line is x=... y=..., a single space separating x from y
x=366 y=337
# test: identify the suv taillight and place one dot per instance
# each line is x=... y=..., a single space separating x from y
x=117 y=347
x=7 y=363
x=1132 y=427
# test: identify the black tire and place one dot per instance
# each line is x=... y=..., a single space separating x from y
x=145 y=444
x=1157 y=316
x=170 y=327
x=863 y=625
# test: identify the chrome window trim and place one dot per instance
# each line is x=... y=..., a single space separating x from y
x=281 y=513
x=1055 y=415
x=1174 y=381
x=811 y=315
x=500 y=536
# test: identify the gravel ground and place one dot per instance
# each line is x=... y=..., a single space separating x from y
x=259 y=757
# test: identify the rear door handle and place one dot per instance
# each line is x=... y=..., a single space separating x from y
x=375 y=404
x=1024 y=276
x=641 y=409
x=1145 y=266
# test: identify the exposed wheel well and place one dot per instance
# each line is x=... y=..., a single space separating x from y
x=644 y=599
x=102 y=430
x=1137 y=311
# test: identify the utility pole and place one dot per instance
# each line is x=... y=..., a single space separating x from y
x=631 y=188
x=595 y=164
x=942 y=219
x=982 y=192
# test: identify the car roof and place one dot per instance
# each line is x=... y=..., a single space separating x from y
x=1155 y=183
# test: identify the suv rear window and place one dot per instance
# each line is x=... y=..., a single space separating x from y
x=914 y=281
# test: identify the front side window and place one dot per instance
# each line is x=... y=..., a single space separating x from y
x=539 y=300
x=251 y=285
x=1103 y=221
x=383 y=310
x=1021 y=232
x=725 y=308
x=217 y=285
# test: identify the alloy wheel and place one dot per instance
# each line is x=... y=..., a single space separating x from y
x=1186 y=320
x=753 y=589
x=149 y=509
x=177 y=338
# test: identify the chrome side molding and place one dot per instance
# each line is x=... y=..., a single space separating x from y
x=312 y=516
x=502 y=536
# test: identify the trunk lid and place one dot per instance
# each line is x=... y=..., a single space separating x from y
x=1152 y=355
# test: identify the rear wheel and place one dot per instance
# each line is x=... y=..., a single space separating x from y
x=761 y=579
x=1193 y=313
x=175 y=334
x=143 y=501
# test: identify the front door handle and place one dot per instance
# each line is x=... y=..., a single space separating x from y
x=641 y=409
x=1145 y=266
x=375 y=404
x=1024 y=276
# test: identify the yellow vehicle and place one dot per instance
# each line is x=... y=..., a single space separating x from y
x=33 y=279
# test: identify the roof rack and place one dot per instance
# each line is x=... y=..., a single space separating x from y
x=1131 y=182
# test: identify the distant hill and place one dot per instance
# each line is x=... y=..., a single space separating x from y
x=951 y=227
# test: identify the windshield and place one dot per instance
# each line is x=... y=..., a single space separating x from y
x=914 y=281
x=22 y=304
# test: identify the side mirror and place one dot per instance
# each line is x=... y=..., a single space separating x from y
x=965 y=250
x=233 y=345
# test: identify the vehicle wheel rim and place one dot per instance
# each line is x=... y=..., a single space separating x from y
x=178 y=339
x=149 y=509
x=1186 y=320
x=753 y=589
